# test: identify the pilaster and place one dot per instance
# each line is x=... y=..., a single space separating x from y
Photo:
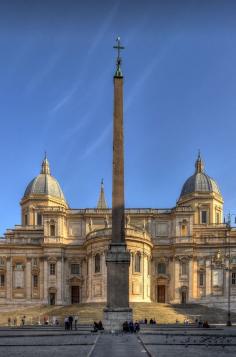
x=28 y=279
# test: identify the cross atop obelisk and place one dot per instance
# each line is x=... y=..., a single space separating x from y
x=118 y=257
x=118 y=47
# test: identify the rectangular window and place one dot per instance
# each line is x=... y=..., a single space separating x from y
x=217 y=217
x=35 y=281
x=35 y=262
x=184 y=268
x=75 y=269
x=19 y=266
x=26 y=219
x=233 y=281
x=52 y=269
x=2 y=262
x=201 y=279
x=52 y=230
x=183 y=230
x=39 y=219
x=2 y=280
x=203 y=217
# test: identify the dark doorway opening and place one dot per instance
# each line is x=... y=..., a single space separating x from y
x=75 y=294
x=52 y=298
x=184 y=297
x=161 y=293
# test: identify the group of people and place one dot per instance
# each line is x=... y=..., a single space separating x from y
x=97 y=326
x=10 y=321
x=131 y=327
x=68 y=322
x=201 y=323
x=151 y=321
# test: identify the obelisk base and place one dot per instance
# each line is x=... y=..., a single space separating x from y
x=113 y=318
x=117 y=310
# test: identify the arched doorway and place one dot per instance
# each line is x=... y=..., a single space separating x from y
x=184 y=295
x=52 y=296
x=75 y=290
x=161 y=293
x=75 y=294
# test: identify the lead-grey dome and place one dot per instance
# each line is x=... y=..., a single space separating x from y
x=44 y=184
x=199 y=181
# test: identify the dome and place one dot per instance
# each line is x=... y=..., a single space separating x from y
x=44 y=184
x=199 y=181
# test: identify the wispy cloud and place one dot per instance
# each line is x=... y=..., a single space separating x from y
x=38 y=77
x=66 y=98
x=98 y=142
x=104 y=28
x=146 y=73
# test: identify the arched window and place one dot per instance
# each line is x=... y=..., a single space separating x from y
x=161 y=268
x=97 y=265
x=137 y=262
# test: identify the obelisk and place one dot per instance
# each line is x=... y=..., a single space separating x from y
x=118 y=257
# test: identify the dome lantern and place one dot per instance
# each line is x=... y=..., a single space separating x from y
x=44 y=184
x=199 y=182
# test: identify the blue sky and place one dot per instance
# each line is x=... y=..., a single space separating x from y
x=56 y=94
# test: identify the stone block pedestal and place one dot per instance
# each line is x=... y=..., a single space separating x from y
x=113 y=318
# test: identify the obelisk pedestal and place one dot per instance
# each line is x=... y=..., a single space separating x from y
x=118 y=257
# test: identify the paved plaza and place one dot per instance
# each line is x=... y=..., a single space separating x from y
x=156 y=342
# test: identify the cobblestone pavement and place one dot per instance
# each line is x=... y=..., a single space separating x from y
x=160 y=342
x=45 y=342
x=194 y=343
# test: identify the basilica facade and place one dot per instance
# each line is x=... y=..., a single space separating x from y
x=185 y=254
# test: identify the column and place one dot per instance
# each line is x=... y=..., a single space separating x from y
x=9 y=279
x=195 y=279
x=208 y=277
x=45 y=275
x=176 y=291
x=41 y=278
x=28 y=279
x=59 y=282
x=190 y=279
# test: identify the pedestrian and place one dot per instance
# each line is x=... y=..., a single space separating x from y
x=136 y=326
x=66 y=322
x=9 y=321
x=76 y=319
x=70 y=322
x=100 y=326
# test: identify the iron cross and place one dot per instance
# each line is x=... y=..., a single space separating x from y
x=118 y=47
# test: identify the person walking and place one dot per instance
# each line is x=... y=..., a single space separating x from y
x=76 y=319
x=70 y=322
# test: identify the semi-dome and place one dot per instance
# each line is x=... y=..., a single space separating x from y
x=199 y=181
x=44 y=183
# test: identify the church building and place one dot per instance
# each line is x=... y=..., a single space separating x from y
x=185 y=254
x=179 y=255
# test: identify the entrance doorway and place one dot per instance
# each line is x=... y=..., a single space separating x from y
x=75 y=294
x=161 y=293
x=52 y=298
x=183 y=297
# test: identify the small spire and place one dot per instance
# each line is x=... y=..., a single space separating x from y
x=118 y=72
x=199 y=164
x=102 y=200
x=45 y=165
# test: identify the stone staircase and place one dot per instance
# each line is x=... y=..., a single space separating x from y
x=163 y=313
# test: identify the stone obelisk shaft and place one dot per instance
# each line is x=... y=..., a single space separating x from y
x=117 y=258
x=118 y=205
